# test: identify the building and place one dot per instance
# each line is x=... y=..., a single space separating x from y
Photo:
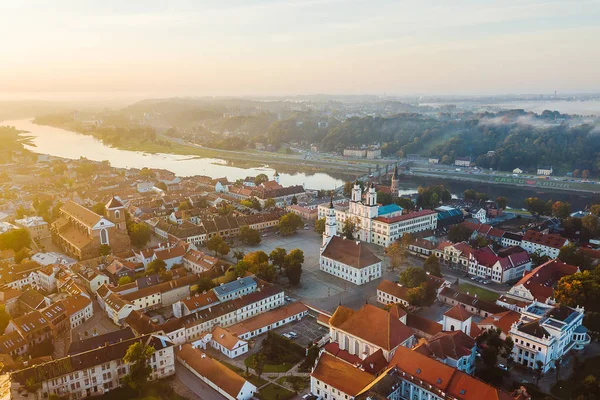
x=462 y=162
x=93 y=372
x=36 y=226
x=80 y=232
x=352 y=331
x=354 y=152
x=216 y=375
x=544 y=170
x=472 y=304
x=373 y=153
x=517 y=171
x=389 y=292
x=456 y=349
x=502 y=320
x=381 y=225
x=434 y=160
x=543 y=244
x=538 y=285
x=547 y=332
x=224 y=341
x=198 y=262
x=395 y=183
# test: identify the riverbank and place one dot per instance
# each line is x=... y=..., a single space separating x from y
x=289 y=163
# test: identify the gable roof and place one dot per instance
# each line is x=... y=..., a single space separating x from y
x=350 y=252
x=549 y=240
x=458 y=312
x=80 y=213
x=390 y=332
x=95 y=342
x=502 y=321
x=541 y=280
x=452 y=345
x=341 y=375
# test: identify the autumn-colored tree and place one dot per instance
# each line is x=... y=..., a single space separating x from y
x=576 y=173
x=397 y=254
x=561 y=209
x=432 y=265
x=320 y=226
x=585 y=174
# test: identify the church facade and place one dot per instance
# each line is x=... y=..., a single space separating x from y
x=80 y=232
x=381 y=225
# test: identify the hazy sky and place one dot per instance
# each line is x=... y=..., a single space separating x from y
x=264 y=47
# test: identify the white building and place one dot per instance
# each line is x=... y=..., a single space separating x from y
x=36 y=226
x=545 y=333
x=456 y=349
x=381 y=225
x=92 y=373
x=544 y=171
x=544 y=244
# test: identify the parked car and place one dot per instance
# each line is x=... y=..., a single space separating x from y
x=288 y=298
x=286 y=335
x=292 y=335
x=503 y=367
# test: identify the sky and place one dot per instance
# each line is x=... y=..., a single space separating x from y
x=279 y=47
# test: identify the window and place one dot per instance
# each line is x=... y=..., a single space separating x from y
x=103 y=236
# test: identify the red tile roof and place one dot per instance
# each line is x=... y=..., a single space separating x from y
x=350 y=252
x=541 y=281
x=549 y=240
x=458 y=312
x=341 y=375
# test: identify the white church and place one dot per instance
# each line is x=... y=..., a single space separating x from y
x=345 y=258
x=377 y=224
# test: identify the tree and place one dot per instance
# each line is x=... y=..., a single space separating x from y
x=434 y=200
x=561 y=209
x=105 y=250
x=277 y=257
x=585 y=174
x=538 y=259
x=124 y=280
x=249 y=236
x=480 y=241
x=138 y=356
x=184 y=205
x=590 y=224
x=293 y=272
x=260 y=179
x=405 y=203
x=251 y=202
x=571 y=255
x=238 y=255
x=205 y=284
x=156 y=267
x=223 y=249
x=575 y=173
x=397 y=254
x=4 y=319
x=432 y=265
x=225 y=208
x=21 y=255
x=595 y=210
x=459 y=233
x=214 y=243
x=289 y=224
x=162 y=186
x=413 y=277
x=384 y=198
x=501 y=202
x=469 y=195
x=140 y=234
x=258 y=363
x=256 y=257
x=15 y=239
x=294 y=200
x=349 y=228
x=536 y=205
x=539 y=365
x=270 y=203
x=264 y=271
x=99 y=208
x=320 y=226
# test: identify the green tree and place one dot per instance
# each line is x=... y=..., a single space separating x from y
x=156 y=267
x=590 y=225
x=405 y=203
x=349 y=228
x=561 y=209
x=501 y=202
x=238 y=255
x=225 y=209
x=140 y=234
x=289 y=224
x=124 y=280
x=397 y=254
x=459 y=233
x=539 y=365
x=570 y=254
x=15 y=239
x=432 y=265
x=293 y=265
x=270 y=203
x=320 y=226
x=260 y=179
x=595 y=210
x=223 y=249
x=258 y=363
x=204 y=284
x=278 y=257
x=249 y=236
x=264 y=271
x=99 y=208
x=162 y=186
x=21 y=255
x=184 y=205
x=251 y=202
x=214 y=243
x=384 y=198
x=256 y=257
x=413 y=277
x=138 y=356
x=536 y=205
x=105 y=250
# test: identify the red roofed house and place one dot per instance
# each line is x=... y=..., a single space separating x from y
x=361 y=333
x=539 y=283
x=544 y=244
x=456 y=349
x=490 y=265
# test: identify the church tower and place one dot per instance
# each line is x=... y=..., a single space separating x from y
x=115 y=213
x=394 y=187
x=276 y=177
x=371 y=207
x=330 y=224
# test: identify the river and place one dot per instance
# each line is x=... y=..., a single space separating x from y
x=72 y=145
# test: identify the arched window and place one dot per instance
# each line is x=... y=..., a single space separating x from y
x=103 y=236
x=356 y=347
x=452 y=327
x=117 y=214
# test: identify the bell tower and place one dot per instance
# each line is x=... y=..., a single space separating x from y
x=394 y=187
x=330 y=224
x=115 y=213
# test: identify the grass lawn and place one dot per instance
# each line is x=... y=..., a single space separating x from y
x=274 y=392
x=269 y=368
x=255 y=380
x=301 y=381
x=483 y=294
x=565 y=389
